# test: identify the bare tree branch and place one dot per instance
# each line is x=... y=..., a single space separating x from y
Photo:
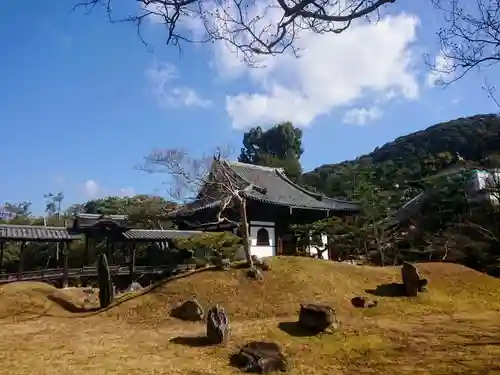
x=470 y=40
x=249 y=27
x=203 y=181
x=490 y=91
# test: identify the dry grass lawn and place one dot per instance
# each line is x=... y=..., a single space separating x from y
x=454 y=328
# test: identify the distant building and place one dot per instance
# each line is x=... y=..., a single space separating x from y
x=6 y=215
x=482 y=186
x=485 y=186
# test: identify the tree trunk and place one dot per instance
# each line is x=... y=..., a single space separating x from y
x=382 y=254
x=244 y=229
x=2 y=245
x=21 y=261
x=132 y=262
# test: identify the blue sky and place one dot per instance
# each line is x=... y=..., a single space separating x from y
x=82 y=101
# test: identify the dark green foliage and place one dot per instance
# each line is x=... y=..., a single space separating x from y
x=446 y=226
x=144 y=211
x=353 y=235
x=414 y=156
x=211 y=246
x=106 y=293
x=279 y=146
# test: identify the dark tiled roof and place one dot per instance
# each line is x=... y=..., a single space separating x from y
x=270 y=185
x=405 y=212
x=100 y=216
x=89 y=221
x=412 y=207
x=35 y=233
x=276 y=188
x=156 y=234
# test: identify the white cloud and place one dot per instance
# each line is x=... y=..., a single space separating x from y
x=161 y=77
x=362 y=116
x=374 y=60
x=333 y=71
x=127 y=192
x=91 y=189
x=442 y=70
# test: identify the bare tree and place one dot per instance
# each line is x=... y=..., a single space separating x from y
x=471 y=38
x=204 y=180
x=250 y=27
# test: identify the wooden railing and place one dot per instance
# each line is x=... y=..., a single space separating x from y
x=58 y=273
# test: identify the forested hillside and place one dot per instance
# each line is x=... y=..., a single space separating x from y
x=416 y=155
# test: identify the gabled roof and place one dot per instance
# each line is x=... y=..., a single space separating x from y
x=412 y=207
x=157 y=234
x=83 y=223
x=11 y=232
x=453 y=170
x=268 y=185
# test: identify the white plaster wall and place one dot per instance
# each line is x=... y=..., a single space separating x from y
x=262 y=251
x=313 y=250
x=486 y=180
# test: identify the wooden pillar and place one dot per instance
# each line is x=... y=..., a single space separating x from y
x=86 y=260
x=65 y=251
x=132 y=262
x=2 y=246
x=21 y=261
x=107 y=251
x=112 y=247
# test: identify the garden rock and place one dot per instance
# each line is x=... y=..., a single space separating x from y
x=411 y=279
x=317 y=317
x=223 y=264
x=262 y=264
x=217 y=325
x=190 y=310
x=134 y=287
x=361 y=302
x=260 y=357
x=422 y=285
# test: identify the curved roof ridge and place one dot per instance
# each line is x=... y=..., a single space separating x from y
x=282 y=175
x=280 y=172
x=255 y=166
x=49 y=227
x=250 y=185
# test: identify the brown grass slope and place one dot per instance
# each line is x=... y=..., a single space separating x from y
x=452 y=328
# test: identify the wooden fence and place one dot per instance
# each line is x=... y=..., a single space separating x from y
x=58 y=273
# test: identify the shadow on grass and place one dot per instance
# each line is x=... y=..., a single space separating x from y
x=81 y=312
x=388 y=290
x=70 y=306
x=193 y=341
x=95 y=311
x=295 y=329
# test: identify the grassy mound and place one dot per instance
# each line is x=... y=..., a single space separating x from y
x=295 y=280
x=453 y=328
x=36 y=298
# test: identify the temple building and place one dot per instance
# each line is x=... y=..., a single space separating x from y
x=273 y=204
